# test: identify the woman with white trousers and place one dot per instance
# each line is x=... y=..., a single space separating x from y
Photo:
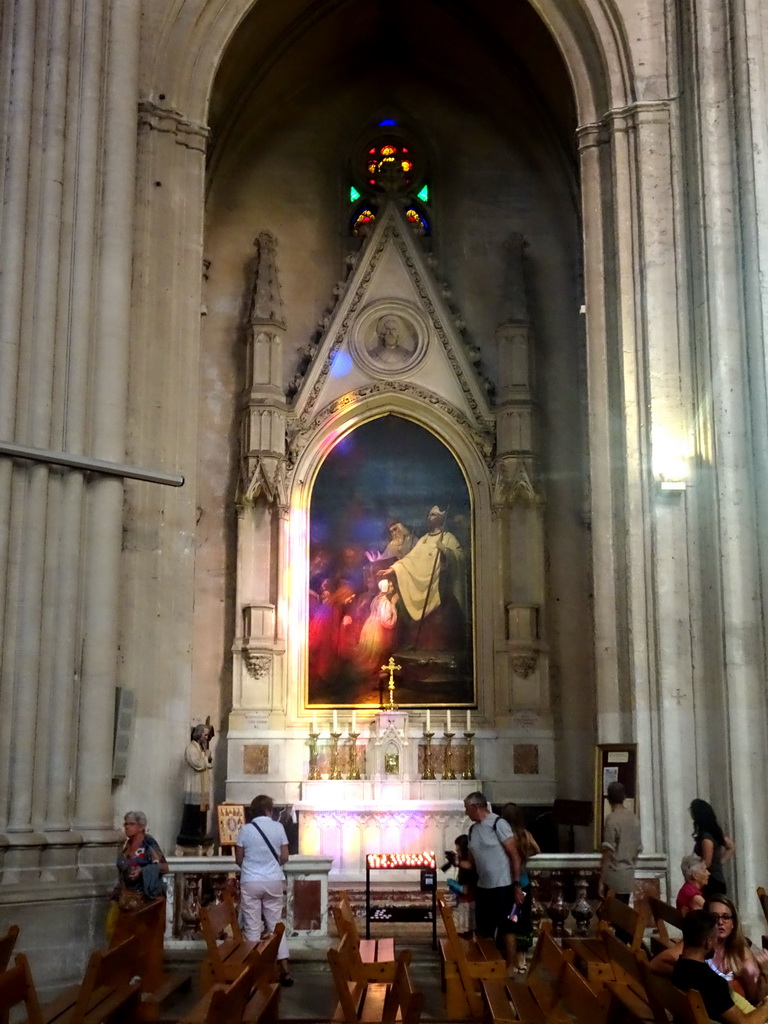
x=261 y=851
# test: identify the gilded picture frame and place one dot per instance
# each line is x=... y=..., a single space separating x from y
x=390 y=571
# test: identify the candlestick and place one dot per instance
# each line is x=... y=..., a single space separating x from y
x=428 y=722
x=448 y=772
x=469 y=722
x=429 y=770
x=335 y=759
x=354 y=722
x=469 y=757
x=335 y=720
x=314 y=768
x=354 y=771
x=448 y=721
x=314 y=721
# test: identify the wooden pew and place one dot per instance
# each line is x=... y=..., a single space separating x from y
x=464 y=963
x=147 y=926
x=569 y=999
x=109 y=991
x=238 y=1002
x=630 y=1000
x=16 y=989
x=362 y=1000
x=371 y=950
x=665 y=999
x=403 y=1002
x=590 y=954
x=227 y=958
x=7 y=942
x=531 y=998
x=663 y=914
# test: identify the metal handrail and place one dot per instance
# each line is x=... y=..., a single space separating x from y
x=21 y=451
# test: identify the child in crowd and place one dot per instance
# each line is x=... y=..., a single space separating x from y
x=463 y=887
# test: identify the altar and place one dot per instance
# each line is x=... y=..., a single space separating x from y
x=394 y=807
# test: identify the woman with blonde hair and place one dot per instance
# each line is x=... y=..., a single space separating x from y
x=745 y=970
x=519 y=937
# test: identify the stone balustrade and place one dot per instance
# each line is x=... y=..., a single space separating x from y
x=192 y=879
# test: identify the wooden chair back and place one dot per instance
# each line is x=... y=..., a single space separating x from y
x=349 y=992
x=626 y=963
x=664 y=914
x=263 y=1006
x=344 y=918
x=470 y=972
x=218 y=918
x=147 y=926
x=547 y=955
x=17 y=988
x=402 y=1003
x=262 y=961
x=576 y=999
x=546 y=967
x=228 y=1003
x=112 y=971
x=7 y=942
x=618 y=915
x=665 y=998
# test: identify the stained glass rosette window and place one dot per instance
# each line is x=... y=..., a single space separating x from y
x=389 y=165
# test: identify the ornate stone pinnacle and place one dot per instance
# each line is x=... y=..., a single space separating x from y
x=266 y=304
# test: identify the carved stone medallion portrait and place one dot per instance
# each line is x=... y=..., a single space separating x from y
x=389 y=339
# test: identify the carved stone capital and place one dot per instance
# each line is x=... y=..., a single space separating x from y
x=257 y=662
x=512 y=485
x=524 y=665
x=264 y=479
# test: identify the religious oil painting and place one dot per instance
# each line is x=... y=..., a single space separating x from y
x=390 y=571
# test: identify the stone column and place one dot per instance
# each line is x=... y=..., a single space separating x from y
x=719 y=56
x=17 y=704
x=750 y=81
x=159 y=547
x=661 y=538
x=606 y=457
x=108 y=394
x=69 y=417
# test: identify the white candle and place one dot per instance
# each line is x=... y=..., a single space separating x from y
x=428 y=728
x=314 y=721
x=469 y=721
x=448 y=721
x=335 y=721
x=354 y=722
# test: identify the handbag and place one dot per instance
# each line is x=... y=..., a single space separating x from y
x=271 y=847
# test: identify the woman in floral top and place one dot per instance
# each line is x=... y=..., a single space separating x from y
x=140 y=864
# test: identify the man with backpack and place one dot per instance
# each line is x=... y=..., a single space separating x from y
x=494 y=851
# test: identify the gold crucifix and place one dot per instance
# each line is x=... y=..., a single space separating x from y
x=391 y=667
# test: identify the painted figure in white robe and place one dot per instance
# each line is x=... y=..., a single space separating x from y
x=431 y=581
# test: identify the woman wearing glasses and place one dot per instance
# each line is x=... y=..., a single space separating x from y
x=745 y=970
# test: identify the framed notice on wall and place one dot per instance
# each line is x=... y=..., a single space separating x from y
x=614 y=762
